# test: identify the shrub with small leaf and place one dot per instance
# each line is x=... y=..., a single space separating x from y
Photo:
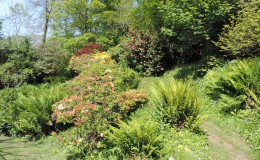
x=83 y=62
x=131 y=100
x=123 y=78
x=241 y=37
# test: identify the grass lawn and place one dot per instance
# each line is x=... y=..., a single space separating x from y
x=21 y=149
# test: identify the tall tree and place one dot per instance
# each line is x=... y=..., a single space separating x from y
x=1 y=34
x=42 y=10
x=77 y=17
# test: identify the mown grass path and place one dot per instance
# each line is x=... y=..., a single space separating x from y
x=19 y=149
x=227 y=144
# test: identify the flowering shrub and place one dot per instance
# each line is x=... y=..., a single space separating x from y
x=95 y=105
x=102 y=58
x=131 y=100
x=89 y=49
x=123 y=78
x=143 y=53
x=80 y=63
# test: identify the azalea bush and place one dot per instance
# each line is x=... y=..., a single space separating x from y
x=88 y=49
x=123 y=78
x=99 y=100
x=83 y=62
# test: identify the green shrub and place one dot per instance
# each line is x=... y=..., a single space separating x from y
x=123 y=78
x=118 y=53
x=237 y=85
x=136 y=139
x=18 y=66
x=74 y=44
x=241 y=38
x=52 y=60
x=26 y=110
x=176 y=101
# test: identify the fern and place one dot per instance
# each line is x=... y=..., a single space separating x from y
x=239 y=80
x=29 y=112
x=138 y=138
x=176 y=101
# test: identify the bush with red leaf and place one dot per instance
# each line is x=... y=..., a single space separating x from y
x=89 y=49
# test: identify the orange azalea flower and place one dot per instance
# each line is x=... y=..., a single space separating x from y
x=53 y=133
x=77 y=123
x=50 y=123
x=106 y=109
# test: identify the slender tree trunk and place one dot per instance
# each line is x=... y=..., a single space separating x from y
x=46 y=23
x=45 y=29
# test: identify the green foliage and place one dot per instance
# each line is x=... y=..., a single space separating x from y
x=177 y=102
x=146 y=15
x=184 y=145
x=1 y=26
x=137 y=139
x=241 y=37
x=52 y=60
x=26 y=110
x=188 y=25
x=74 y=44
x=208 y=64
x=123 y=78
x=248 y=121
x=118 y=54
x=184 y=27
x=144 y=137
x=18 y=67
x=239 y=87
x=78 y=16
x=143 y=53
